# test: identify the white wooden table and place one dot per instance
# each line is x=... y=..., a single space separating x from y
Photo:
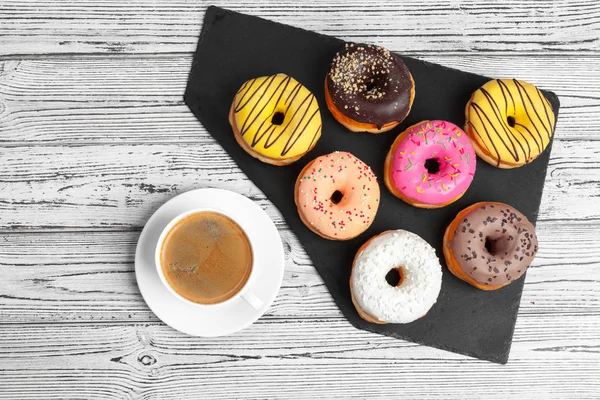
x=94 y=136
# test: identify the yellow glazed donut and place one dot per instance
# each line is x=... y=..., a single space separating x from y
x=509 y=121
x=275 y=119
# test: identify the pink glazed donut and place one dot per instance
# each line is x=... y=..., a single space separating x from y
x=430 y=165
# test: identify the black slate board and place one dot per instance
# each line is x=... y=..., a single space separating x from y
x=234 y=48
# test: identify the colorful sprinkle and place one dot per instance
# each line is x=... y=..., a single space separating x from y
x=321 y=206
x=433 y=139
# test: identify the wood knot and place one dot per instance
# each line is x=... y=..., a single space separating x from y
x=147 y=360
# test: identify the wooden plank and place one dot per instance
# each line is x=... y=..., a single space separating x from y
x=552 y=358
x=140 y=99
x=120 y=186
x=89 y=276
x=138 y=26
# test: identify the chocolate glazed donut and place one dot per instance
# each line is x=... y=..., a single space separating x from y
x=368 y=88
x=489 y=245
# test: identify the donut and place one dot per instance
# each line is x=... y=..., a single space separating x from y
x=509 y=121
x=337 y=196
x=396 y=278
x=275 y=119
x=368 y=89
x=489 y=245
x=430 y=165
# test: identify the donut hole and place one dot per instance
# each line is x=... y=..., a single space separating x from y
x=369 y=87
x=490 y=245
x=374 y=89
x=432 y=165
x=495 y=246
x=395 y=277
x=336 y=197
x=510 y=121
x=278 y=118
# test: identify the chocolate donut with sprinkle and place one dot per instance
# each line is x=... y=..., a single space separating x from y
x=368 y=88
x=489 y=245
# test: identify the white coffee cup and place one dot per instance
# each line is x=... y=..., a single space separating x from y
x=244 y=293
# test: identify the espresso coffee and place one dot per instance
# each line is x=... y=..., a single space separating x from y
x=206 y=257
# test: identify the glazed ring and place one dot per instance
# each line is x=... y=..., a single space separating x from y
x=430 y=165
x=337 y=196
x=489 y=245
x=510 y=122
x=368 y=89
x=396 y=278
x=275 y=119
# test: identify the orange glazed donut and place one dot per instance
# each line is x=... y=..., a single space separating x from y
x=337 y=196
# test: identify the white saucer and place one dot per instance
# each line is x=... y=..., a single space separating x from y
x=219 y=319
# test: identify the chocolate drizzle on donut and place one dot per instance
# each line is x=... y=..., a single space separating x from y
x=370 y=85
x=508 y=116
x=273 y=91
x=494 y=244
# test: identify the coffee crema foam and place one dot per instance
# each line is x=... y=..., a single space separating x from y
x=206 y=257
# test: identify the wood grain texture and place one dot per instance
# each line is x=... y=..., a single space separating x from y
x=140 y=99
x=89 y=276
x=139 y=26
x=120 y=186
x=289 y=359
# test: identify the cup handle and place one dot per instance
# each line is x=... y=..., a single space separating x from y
x=252 y=300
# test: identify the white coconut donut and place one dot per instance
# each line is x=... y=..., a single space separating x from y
x=419 y=270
